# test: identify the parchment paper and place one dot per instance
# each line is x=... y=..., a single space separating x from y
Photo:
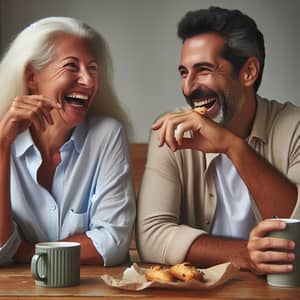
x=133 y=278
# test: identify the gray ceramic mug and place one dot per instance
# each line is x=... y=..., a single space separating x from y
x=56 y=264
x=292 y=232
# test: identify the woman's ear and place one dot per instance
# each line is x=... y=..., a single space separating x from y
x=250 y=71
x=30 y=78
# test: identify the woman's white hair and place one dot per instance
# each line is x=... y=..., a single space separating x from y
x=35 y=46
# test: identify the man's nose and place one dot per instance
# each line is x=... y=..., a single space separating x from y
x=188 y=86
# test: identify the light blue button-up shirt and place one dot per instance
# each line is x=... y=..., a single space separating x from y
x=92 y=192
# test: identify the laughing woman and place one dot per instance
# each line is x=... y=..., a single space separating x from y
x=64 y=162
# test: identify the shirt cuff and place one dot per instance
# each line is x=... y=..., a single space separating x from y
x=296 y=212
x=113 y=252
x=180 y=244
x=9 y=249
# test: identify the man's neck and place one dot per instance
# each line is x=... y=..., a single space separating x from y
x=243 y=122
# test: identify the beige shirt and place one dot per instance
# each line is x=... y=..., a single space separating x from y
x=177 y=199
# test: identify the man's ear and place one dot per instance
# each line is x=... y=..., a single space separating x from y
x=30 y=78
x=250 y=71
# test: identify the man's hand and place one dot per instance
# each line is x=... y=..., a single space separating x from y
x=208 y=136
x=263 y=259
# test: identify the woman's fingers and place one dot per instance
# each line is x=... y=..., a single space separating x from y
x=35 y=108
x=40 y=100
x=25 y=111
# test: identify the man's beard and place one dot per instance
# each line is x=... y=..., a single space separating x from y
x=220 y=117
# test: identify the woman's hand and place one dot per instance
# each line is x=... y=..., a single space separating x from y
x=208 y=136
x=26 y=111
x=265 y=253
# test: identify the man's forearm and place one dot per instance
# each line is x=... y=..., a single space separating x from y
x=273 y=193
x=207 y=251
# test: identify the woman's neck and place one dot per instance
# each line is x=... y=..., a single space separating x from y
x=50 y=140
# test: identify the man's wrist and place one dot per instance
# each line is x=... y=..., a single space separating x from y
x=236 y=147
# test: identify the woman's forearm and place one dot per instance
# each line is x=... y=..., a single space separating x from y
x=6 y=223
x=88 y=253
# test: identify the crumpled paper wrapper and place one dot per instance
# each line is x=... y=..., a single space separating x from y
x=133 y=278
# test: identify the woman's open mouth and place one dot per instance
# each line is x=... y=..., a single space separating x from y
x=76 y=99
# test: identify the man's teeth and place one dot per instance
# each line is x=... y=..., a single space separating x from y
x=204 y=102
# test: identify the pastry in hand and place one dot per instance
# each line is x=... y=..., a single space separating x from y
x=200 y=110
x=157 y=273
x=186 y=271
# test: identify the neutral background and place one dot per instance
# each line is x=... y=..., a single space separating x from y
x=145 y=49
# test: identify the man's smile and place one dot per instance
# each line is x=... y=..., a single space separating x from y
x=206 y=102
x=202 y=98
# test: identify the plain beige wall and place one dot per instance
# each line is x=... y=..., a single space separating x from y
x=145 y=49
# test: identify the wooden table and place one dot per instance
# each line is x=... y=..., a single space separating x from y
x=16 y=282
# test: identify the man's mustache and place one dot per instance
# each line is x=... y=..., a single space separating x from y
x=199 y=94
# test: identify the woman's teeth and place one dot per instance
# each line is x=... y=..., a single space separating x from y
x=75 y=98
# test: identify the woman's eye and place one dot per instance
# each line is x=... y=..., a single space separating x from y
x=71 y=66
x=93 y=68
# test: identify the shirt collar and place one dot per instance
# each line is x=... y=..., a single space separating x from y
x=78 y=136
x=259 y=127
x=23 y=143
x=24 y=140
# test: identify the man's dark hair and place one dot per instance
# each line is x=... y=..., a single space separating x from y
x=242 y=38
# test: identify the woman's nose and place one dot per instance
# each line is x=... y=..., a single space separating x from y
x=85 y=78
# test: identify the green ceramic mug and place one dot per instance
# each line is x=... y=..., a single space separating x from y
x=292 y=232
x=56 y=264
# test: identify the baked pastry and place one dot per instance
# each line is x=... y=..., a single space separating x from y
x=200 y=110
x=157 y=273
x=186 y=271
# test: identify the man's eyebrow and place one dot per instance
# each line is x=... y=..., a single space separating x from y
x=203 y=64
x=197 y=65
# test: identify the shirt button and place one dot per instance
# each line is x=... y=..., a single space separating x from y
x=52 y=206
x=211 y=195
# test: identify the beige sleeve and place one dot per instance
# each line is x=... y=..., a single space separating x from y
x=294 y=169
x=286 y=148
x=296 y=211
x=160 y=236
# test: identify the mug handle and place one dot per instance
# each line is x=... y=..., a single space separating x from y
x=34 y=269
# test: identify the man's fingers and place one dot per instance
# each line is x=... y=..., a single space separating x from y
x=273 y=256
x=274 y=268
x=270 y=243
x=266 y=226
